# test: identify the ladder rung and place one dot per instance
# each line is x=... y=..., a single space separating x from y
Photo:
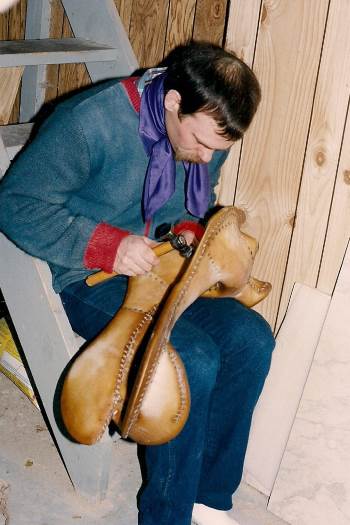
x=53 y=51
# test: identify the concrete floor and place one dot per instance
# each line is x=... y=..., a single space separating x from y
x=35 y=489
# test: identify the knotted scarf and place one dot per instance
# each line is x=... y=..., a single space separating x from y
x=161 y=171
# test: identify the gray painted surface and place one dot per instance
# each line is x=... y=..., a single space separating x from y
x=53 y=51
x=48 y=344
x=34 y=77
x=102 y=25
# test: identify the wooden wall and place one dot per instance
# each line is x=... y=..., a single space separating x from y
x=291 y=172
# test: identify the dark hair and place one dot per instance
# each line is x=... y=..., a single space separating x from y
x=215 y=81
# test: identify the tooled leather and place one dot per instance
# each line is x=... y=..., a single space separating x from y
x=130 y=349
x=223 y=222
x=156 y=290
x=125 y=362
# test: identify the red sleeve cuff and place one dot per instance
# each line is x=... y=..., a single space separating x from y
x=103 y=246
x=194 y=227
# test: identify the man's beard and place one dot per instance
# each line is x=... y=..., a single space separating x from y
x=183 y=155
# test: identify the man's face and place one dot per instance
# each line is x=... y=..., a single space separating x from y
x=194 y=138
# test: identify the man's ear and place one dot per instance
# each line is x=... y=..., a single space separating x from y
x=172 y=101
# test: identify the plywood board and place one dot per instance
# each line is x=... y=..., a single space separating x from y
x=241 y=34
x=313 y=482
x=286 y=62
x=276 y=409
x=322 y=154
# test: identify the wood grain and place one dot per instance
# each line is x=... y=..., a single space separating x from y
x=124 y=9
x=209 y=20
x=17 y=16
x=322 y=154
x=148 y=30
x=273 y=149
x=338 y=232
x=4 y=26
x=242 y=28
x=10 y=79
x=180 y=23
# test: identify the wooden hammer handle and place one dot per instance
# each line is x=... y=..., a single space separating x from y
x=101 y=276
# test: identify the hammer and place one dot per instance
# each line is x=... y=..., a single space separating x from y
x=169 y=241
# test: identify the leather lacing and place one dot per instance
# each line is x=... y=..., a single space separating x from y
x=225 y=222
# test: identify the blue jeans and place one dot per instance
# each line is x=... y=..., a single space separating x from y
x=226 y=349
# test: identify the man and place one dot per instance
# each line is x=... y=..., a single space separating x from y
x=110 y=165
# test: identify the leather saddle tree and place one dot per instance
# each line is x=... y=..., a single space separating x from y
x=155 y=407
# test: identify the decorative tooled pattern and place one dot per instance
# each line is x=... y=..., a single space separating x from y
x=223 y=223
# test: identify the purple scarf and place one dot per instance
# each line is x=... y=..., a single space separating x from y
x=161 y=171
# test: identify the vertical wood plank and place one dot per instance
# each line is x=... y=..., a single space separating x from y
x=322 y=153
x=16 y=19
x=10 y=79
x=4 y=25
x=273 y=149
x=209 y=22
x=242 y=27
x=338 y=232
x=180 y=23
x=148 y=30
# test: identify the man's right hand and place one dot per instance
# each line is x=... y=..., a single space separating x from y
x=135 y=256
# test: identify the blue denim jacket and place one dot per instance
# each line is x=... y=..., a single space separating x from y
x=85 y=166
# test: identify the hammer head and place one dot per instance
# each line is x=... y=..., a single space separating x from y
x=164 y=233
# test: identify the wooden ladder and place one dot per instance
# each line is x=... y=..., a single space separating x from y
x=36 y=311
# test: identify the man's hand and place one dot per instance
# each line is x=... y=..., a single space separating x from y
x=135 y=256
